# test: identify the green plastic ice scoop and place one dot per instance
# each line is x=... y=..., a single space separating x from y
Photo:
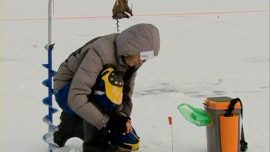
x=196 y=116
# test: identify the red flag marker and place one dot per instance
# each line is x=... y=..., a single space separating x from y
x=170 y=123
x=170 y=120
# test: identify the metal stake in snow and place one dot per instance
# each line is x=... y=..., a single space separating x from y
x=48 y=119
x=170 y=123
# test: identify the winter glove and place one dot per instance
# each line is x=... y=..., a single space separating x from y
x=117 y=124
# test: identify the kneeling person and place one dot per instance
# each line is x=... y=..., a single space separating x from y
x=106 y=96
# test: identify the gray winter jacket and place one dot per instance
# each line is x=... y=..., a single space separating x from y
x=85 y=64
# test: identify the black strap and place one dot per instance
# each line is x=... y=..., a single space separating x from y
x=231 y=108
x=243 y=143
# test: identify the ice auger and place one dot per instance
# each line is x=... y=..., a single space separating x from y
x=48 y=119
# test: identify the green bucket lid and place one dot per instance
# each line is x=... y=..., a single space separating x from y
x=196 y=116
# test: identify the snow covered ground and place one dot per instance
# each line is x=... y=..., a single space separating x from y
x=208 y=48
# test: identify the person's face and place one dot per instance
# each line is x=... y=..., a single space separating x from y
x=133 y=60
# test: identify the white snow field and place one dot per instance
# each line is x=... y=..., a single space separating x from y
x=208 y=49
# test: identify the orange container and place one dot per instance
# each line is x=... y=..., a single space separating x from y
x=224 y=132
x=229 y=133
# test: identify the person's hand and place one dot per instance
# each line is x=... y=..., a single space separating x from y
x=129 y=127
x=118 y=124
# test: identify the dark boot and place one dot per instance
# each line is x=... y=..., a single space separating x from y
x=114 y=148
x=97 y=140
x=70 y=126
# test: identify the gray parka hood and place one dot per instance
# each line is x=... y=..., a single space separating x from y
x=138 y=38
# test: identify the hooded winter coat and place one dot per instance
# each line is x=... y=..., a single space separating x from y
x=84 y=65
